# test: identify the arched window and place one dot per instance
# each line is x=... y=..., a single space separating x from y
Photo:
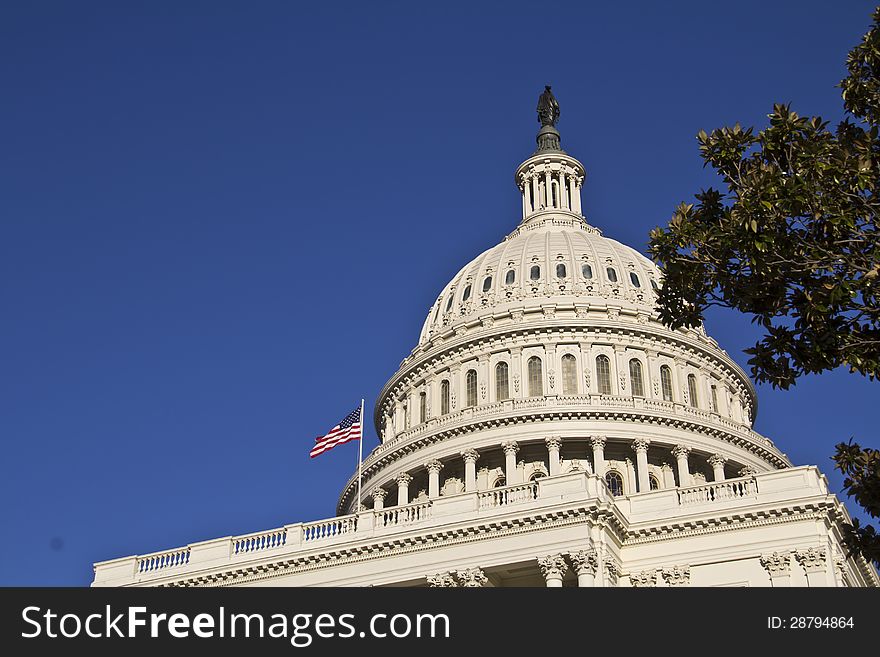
x=714 y=391
x=635 y=377
x=510 y=277
x=612 y=275
x=569 y=375
x=634 y=279
x=535 y=272
x=499 y=482
x=502 y=382
x=449 y=303
x=405 y=416
x=603 y=374
x=423 y=407
x=437 y=311
x=560 y=270
x=444 y=397
x=587 y=271
x=666 y=382
x=466 y=294
x=487 y=283
x=692 y=390
x=470 y=380
x=554 y=186
x=537 y=475
x=536 y=377
x=654 y=285
x=615 y=483
x=653 y=482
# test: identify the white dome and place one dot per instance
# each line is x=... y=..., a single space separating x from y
x=550 y=262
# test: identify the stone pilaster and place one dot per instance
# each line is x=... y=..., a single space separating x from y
x=646 y=578
x=778 y=566
x=442 y=580
x=677 y=575
x=815 y=564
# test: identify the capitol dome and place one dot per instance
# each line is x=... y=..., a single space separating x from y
x=548 y=430
x=551 y=339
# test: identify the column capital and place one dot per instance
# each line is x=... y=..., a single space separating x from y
x=585 y=562
x=598 y=442
x=379 y=493
x=434 y=466
x=677 y=575
x=612 y=568
x=553 y=442
x=553 y=565
x=471 y=577
x=681 y=451
x=717 y=461
x=812 y=559
x=640 y=445
x=777 y=564
x=470 y=455
x=646 y=578
x=442 y=580
x=403 y=479
x=510 y=446
x=748 y=471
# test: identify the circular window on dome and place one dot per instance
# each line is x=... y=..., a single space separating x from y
x=466 y=294
x=635 y=279
x=510 y=278
x=487 y=283
x=535 y=273
x=560 y=270
x=586 y=271
x=612 y=275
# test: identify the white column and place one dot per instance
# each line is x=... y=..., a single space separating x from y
x=403 y=481
x=778 y=567
x=576 y=194
x=548 y=189
x=680 y=452
x=510 y=449
x=630 y=476
x=813 y=561
x=585 y=563
x=525 y=193
x=470 y=457
x=668 y=476
x=553 y=567
x=553 y=445
x=640 y=447
x=434 y=468
x=598 y=443
x=563 y=196
x=717 y=462
x=536 y=203
x=379 y=495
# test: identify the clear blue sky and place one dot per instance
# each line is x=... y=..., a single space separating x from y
x=222 y=224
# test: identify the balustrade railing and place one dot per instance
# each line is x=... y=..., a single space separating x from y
x=315 y=531
x=720 y=491
x=163 y=560
x=503 y=496
x=403 y=515
x=259 y=541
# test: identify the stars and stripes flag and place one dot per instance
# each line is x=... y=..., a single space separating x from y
x=348 y=429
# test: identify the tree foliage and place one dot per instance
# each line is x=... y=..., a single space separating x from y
x=794 y=241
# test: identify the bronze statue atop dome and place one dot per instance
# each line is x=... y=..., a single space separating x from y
x=548 y=108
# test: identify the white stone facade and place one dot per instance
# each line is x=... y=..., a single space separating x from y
x=549 y=430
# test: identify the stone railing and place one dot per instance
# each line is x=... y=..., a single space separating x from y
x=259 y=541
x=316 y=531
x=403 y=515
x=505 y=495
x=719 y=491
x=573 y=488
x=150 y=563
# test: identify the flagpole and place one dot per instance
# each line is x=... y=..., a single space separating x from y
x=357 y=506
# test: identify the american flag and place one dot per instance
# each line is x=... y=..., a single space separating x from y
x=348 y=429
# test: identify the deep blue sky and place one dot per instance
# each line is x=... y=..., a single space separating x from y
x=222 y=224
